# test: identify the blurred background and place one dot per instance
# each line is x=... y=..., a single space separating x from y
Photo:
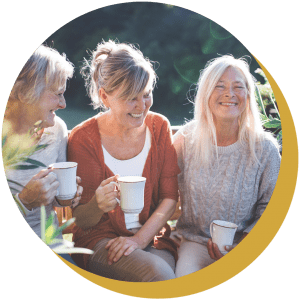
x=179 y=41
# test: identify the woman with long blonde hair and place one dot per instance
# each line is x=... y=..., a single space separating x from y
x=229 y=164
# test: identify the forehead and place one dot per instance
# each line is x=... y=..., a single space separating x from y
x=233 y=75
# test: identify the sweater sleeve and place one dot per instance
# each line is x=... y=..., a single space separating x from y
x=270 y=165
x=82 y=148
x=168 y=182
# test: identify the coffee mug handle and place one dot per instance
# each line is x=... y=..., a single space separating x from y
x=211 y=229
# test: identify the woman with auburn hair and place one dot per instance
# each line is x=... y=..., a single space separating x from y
x=37 y=93
x=229 y=164
x=127 y=140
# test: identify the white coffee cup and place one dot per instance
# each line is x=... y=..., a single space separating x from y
x=132 y=193
x=66 y=176
x=222 y=233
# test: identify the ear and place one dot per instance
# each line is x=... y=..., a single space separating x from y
x=104 y=97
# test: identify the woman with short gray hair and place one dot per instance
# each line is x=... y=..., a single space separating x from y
x=37 y=93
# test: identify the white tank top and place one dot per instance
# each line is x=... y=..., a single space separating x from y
x=130 y=167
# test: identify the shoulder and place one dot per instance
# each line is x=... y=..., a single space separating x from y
x=268 y=144
x=156 y=120
x=84 y=130
x=185 y=132
x=59 y=126
x=159 y=125
x=268 y=150
x=56 y=133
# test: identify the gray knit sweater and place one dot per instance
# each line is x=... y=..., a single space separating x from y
x=235 y=188
x=56 y=137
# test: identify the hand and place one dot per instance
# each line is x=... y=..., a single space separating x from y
x=76 y=199
x=214 y=251
x=107 y=193
x=120 y=246
x=40 y=190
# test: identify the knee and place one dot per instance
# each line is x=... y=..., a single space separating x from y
x=157 y=270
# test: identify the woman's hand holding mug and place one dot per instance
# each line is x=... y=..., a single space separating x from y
x=40 y=190
x=107 y=193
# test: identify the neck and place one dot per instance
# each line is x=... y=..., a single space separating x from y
x=227 y=132
x=113 y=128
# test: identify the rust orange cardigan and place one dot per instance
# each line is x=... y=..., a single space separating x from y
x=161 y=170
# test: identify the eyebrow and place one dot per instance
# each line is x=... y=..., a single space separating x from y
x=237 y=81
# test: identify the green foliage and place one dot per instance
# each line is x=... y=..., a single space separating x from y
x=265 y=97
x=49 y=233
x=179 y=41
x=15 y=152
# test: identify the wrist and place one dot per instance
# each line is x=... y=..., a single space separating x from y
x=142 y=242
x=24 y=202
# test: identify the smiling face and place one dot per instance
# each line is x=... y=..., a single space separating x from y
x=131 y=113
x=229 y=97
x=45 y=108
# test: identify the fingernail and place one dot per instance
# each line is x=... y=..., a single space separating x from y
x=226 y=248
x=109 y=263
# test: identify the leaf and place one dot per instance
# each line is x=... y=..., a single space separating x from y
x=43 y=221
x=259 y=100
x=65 y=250
x=34 y=162
x=12 y=181
x=274 y=123
x=263 y=118
x=24 y=167
x=4 y=140
x=19 y=205
x=39 y=147
x=279 y=136
x=50 y=219
x=61 y=228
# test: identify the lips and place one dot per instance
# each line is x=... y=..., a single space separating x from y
x=228 y=103
x=136 y=115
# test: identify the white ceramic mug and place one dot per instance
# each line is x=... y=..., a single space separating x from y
x=66 y=176
x=222 y=234
x=132 y=193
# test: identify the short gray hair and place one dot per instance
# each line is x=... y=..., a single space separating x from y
x=113 y=66
x=45 y=70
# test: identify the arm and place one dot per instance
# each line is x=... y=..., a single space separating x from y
x=103 y=201
x=98 y=196
x=270 y=164
x=168 y=191
x=267 y=181
x=126 y=245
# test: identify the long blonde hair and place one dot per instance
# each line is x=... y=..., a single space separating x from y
x=204 y=134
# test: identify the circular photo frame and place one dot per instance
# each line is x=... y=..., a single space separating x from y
x=248 y=250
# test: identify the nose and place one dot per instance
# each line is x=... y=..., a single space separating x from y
x=62 y=103
x=141 y=103
x=229 y=92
